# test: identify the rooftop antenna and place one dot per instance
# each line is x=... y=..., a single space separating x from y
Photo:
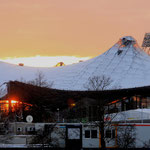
x=146 y=43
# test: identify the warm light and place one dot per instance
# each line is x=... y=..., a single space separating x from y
x=4 y=101
x=14 y=102
x=60 y=64
x=113 y=102
x=73 y=104
x=6 y=105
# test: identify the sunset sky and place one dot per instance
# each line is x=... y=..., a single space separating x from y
x=83 y=28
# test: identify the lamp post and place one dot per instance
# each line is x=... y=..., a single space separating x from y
x=142 y=114
x=58 y=114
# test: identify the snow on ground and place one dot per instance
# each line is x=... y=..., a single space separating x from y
x=130 y=68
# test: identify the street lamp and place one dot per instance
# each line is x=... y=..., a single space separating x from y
x=142 y=113
x=58 y=114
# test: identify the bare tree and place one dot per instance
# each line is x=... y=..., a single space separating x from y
x=100 y=83
x=6 y=135
x=146 y=144
x=126 y=136
x=43 y=138
x=39 y=109
x=48 y=137
x=40 y=81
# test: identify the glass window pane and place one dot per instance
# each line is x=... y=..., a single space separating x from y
x=108 y=133
x=113 y=133
x=93 y=133
x=87 y=133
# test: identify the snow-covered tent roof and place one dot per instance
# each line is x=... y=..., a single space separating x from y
x=125 y=63
x=129 y=115
x=3 y=89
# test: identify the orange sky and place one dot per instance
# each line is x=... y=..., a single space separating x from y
x=69 y=27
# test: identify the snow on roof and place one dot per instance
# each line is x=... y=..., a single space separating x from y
x=3 y=90
x=125 y=63
x=137 y=114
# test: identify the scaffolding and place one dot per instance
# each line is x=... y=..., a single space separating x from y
x=146 y=43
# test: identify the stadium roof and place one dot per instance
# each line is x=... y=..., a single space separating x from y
x=125 y=63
